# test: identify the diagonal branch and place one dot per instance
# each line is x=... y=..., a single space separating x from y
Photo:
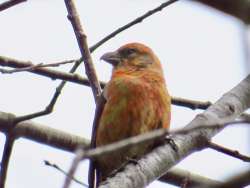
x=10 y=3
x=85 y=52
x=62 y=140
x=156 y=163
x=175 y=176
x=52 y=103
x=132 y=23
x=232 y=153
x=55 y=166
x=140 y=139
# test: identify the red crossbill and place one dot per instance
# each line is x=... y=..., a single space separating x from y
x=137 y=101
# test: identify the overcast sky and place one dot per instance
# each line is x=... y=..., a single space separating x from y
x=200 y=49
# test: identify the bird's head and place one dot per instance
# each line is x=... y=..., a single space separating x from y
x=132 y=55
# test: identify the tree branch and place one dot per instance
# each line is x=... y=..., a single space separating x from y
x=41 y=133
x=140 y=139
x=174 y=176
x=156 y=163
x=82 y=43
x=192 y=104
x=232 y=153
x=240 y=180
x=53 y=74
x=9 y=142
x=10 y=3
x=33 y=67
x=55 y=166
x=132 y=23
x=177 y=176
x=239 y=9
x=52 y=137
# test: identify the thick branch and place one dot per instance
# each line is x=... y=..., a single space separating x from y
x=59 y=139
x=240 y=8
x=41 y=133
x=240 y=180
x=156 y=163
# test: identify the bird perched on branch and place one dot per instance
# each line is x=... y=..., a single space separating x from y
x=137 y=101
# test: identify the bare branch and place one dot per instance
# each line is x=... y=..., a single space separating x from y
x=49 y=136
x=10 y=3
x=55 y=166
x=5 y=61
x=156 y=163
x=240 y=180
x=41 y=133
x=52 y=103
x=9 y=142
x=130 y=24
x=33 y=67
x=143 y=138
x=232 y=153
x=53 y=74
x=192 y=104
x=177 y=176
x=174 y=176
x=82 y=43
x=79 y=154
x=240 y=8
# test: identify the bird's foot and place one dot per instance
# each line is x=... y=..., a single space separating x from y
x=168 y=140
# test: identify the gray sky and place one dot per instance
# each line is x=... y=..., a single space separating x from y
x=200 y=50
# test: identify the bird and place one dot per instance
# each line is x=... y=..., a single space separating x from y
x=136 y=102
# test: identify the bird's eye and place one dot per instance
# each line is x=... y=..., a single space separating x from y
x=128 y=51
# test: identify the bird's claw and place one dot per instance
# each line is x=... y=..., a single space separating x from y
x=170 y=141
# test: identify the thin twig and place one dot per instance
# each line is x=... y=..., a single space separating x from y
x=53 y=74
x=9 y=142
x=133 y=22
x=74 y=78
x=84 y=49
x=34 y=67
x=73 y=168
x=232 y=153
x=177 y=176
x=7 y=4
x=55 y=166
x=52 y=103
